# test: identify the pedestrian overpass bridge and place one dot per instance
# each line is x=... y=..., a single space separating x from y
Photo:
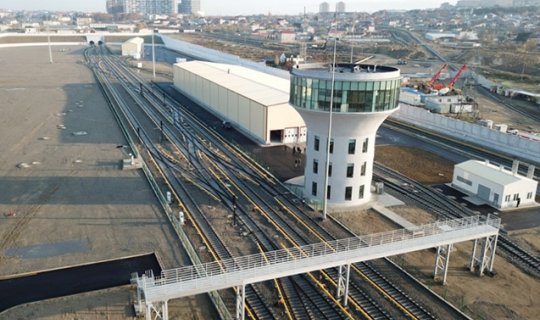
x=155 y=292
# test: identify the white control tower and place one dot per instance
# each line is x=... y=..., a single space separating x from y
x=364 y=95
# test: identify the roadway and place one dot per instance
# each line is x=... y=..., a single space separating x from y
x=41 y=285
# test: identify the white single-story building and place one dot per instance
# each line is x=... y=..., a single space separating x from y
x=448 y=104
x=133 y=47
x=497 y=186
x=254 y=102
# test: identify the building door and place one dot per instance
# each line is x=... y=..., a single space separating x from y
x=290 y=135
x=303 y=134
x=483 y=192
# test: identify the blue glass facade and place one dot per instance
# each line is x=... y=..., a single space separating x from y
x=349 y=96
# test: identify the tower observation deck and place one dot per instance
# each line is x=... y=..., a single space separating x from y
x=364 y=96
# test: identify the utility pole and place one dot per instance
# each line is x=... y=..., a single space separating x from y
x=327 y=169
x=153 y=54
x=49 y=42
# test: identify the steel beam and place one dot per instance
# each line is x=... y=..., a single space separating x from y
x=241 y=302
x=343 y=283
x=441 y=263
x=158 y=311
x=483 y=257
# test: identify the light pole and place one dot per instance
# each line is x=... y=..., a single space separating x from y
x=327 y=169
x=153 y=54
x=49 y=43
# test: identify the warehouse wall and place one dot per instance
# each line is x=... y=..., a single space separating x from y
x=246 y=115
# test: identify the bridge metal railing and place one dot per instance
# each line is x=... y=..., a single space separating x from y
x=252 y=263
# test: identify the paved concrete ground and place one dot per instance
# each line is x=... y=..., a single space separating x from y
x=69 y=203
x=525 y=218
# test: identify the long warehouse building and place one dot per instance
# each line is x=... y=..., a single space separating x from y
x=253 y=102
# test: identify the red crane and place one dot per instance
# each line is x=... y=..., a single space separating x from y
x=437 y=75
x=456 y=77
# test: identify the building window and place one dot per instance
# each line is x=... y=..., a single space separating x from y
x=361 y=192
x=331 y=145
x=507 y=198
x=328 y=191
x=330 y=169
x=352 y=146
x=316 y=143
x=363 y=169
x=466 y=181
x=314 y=189
x=495 y=197
x=516 y=196
x=365 y=145
x=348 y=193
x=529 y=195
x=315 y=166
x=350 y=170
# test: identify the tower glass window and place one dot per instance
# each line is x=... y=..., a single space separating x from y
x=331 y=145
x=352 y=146
x=330 y=169
x=316 y=143
x=315 y=166
x=314 y=188
x=361 y=192
x=365 y=145
x=350 y=170
x=328 y=192
x=363 y=169
x=348 y=193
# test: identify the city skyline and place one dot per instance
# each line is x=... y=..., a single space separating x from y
x=237 y=7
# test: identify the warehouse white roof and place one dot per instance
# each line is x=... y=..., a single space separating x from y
x=261 y=87
x=490 y=172
x=136 y=40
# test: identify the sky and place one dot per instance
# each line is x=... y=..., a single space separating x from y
x=232 y=7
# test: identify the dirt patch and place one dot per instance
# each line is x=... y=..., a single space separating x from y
x=408 y=161
x=528 y=239
x=414 y=215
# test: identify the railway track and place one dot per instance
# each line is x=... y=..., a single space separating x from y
x=258 y=308
x=196 y=142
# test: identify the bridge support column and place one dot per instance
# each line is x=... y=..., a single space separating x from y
x=241 y=302
x=483 y=257
x=343 y=283
x=441 y=263
x=158 y=311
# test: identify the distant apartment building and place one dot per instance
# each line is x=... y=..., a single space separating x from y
x=525 y=3
x=324 y=7
x=190 y=6
x=84 y=21
x=484 y=3
x=115 y=6
x=165 y=7
x=340 y=7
